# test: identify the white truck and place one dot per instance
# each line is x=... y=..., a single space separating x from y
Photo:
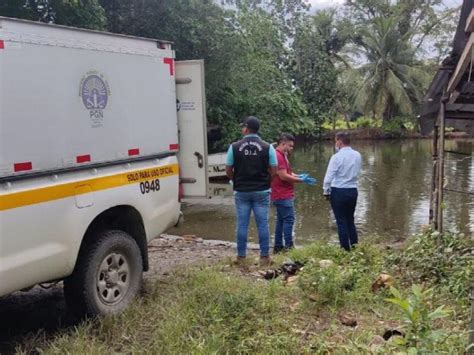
x=97 y=133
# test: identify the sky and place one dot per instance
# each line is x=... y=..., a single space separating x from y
x=321 y=4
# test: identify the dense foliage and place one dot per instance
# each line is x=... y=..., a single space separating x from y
x=279 y=60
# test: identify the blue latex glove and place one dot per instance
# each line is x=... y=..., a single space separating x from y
x=302 y=176
x=309 y=180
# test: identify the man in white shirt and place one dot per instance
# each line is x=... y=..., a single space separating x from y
x=340 y=186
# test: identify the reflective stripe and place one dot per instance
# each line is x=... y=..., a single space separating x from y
x=56 y=192
x=83 y=159
x=170 y=62
x=22 y=166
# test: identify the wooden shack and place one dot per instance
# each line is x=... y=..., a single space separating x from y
x=449 y=102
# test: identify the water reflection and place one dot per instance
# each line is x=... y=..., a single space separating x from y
x=393 y=193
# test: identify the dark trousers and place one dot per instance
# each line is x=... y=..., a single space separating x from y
x=343 y=203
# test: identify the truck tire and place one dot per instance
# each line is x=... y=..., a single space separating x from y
x=107 y=276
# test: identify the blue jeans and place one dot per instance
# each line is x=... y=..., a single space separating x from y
x=259 y=203
x=343 y=203
x=284 y=225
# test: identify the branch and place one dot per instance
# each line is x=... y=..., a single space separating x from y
x=434 y=25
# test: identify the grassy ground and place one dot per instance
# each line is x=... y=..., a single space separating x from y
x=223 y=309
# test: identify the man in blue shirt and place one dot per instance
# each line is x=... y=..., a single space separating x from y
x=251 y=163
x=340 y=186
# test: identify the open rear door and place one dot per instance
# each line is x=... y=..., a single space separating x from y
x=192 y=125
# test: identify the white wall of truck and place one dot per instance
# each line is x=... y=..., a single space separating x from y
x=89 y=142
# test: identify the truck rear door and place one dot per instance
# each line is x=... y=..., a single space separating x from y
x=192 y=126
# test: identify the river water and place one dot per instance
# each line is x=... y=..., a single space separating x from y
x=393 y=194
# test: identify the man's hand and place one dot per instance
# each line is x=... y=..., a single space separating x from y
x=308 y=179
x=302 y=176
x=327 y=196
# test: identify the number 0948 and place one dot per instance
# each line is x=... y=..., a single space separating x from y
x=150 y=186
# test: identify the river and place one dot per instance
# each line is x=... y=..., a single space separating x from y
x=393 y=194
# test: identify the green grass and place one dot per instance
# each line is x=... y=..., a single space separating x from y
x=220 y=310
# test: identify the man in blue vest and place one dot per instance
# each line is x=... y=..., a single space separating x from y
x=251 y=163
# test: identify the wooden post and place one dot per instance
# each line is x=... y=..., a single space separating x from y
x=471 y=330
x=440 y=182
x=434 y=178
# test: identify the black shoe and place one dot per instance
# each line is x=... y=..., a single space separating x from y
x=278 y=250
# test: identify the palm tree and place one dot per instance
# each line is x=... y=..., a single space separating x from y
x=393 y=80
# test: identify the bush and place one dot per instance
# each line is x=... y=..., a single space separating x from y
x=367 y=122
x=323 y=285
x=351 y=274
x=341 y=124
x=418 y=319
x=439 y=259
x=398 y=127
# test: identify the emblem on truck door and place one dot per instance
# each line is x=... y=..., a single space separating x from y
x=95 y=92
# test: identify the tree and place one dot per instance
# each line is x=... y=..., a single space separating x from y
x=271 y=58
x=393 y=40
x=17 y=9
x=258 y=82
x=287 y=14
x=244 y=52
x=76 y=13
x=317 y=63
x=418 y=21
x=392 y=78
x=442 y=35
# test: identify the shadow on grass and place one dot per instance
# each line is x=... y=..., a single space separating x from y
x=32 y=314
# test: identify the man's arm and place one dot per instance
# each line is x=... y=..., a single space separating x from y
x=283 y=175
x=272 y=170
x=272 y=161
x=229 y=165
x=229 y=171
x=330 y=173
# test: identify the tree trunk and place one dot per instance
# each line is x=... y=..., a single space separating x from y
x=347 y=119
x=389 y=108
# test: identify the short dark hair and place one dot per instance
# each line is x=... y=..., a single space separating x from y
x=286 y=137
x=344 y=137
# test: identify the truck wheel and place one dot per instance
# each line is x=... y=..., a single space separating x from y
x=107 y=275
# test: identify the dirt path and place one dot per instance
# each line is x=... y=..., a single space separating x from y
x=26 y=315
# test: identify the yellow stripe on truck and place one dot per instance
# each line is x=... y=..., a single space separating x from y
x=51 y=193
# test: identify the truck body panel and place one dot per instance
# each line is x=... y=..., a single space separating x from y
x=88 y=123
x=116 y=96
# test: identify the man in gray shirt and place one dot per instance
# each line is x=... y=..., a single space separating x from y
x=340 y=186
